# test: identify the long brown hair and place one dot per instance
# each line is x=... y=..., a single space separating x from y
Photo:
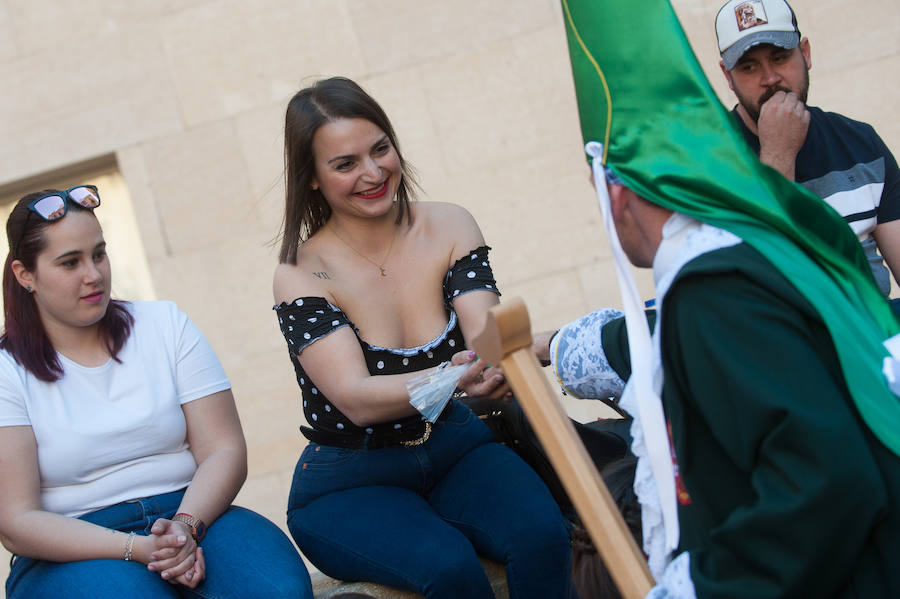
x=24 y=336
x=305 y=209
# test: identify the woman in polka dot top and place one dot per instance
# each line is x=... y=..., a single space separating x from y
x=371 y=290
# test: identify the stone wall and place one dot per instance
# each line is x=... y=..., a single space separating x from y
x=188 y=97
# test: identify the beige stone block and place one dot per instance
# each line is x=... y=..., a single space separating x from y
x=269 y=402
x=199 y=181
x=266 y=379
x=8 y=49
x=863 y=93
x=552 y=300
x=231 y=56
x=44 y=145
x=846 y=36
x=43 y=24
x=136 y=9
x=77 y=101
x=432 y=30
x=275 y=453
x=226 y=293
x=146 y=210
x=601 y=286
x=267 y=495
x=540 y=216
x=504 y=101
x=9 y=154
x=260 y=135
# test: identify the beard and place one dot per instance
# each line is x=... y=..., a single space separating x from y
x=753 y=108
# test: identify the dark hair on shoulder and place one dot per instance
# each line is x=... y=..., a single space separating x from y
x=589 y=572
x=24 y=336
x=306 y=210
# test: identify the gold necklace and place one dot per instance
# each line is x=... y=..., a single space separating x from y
x=386 y=256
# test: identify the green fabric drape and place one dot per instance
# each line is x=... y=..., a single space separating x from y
x=642 y=93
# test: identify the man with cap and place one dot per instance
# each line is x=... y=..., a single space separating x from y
x=766 y=62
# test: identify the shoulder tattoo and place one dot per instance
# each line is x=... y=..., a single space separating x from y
x=321 y=275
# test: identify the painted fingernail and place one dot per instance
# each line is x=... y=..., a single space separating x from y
x=471 y=355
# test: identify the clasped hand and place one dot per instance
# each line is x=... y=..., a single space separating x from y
x=481 y=380
x=783 y=124
x=175 y=554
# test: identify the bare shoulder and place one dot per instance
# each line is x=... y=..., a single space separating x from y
x=452 y=223
x=444 y=214
x=307 y=278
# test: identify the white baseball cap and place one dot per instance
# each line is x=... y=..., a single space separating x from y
x=742 y=24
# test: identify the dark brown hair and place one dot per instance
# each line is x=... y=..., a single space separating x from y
x=589 y=573
x=306 y=210
x=24 y=336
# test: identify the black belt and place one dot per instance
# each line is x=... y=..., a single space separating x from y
x=408 y=436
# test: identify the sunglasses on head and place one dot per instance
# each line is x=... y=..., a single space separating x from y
x=54 y=206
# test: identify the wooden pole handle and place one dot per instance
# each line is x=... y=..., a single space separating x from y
x=506 y=340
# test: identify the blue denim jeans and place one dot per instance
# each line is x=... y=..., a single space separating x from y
x=246 y=556
x=417 y=518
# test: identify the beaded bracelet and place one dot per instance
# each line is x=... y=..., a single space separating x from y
x=129 y=547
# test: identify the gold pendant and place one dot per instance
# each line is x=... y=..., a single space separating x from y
x=383 y=273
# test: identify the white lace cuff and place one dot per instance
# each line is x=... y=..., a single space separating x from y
x=579 y=361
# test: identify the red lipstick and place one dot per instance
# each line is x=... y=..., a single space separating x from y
x=374 y=193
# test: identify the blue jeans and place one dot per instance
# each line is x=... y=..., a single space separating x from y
x=246 y=556
x=417 y=518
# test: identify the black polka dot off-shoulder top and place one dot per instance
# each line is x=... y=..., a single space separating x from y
x=308 y=319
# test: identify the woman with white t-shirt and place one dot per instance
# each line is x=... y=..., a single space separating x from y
x=120 y=445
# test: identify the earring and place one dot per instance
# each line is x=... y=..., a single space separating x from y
x=29 y=289
x=314 y=186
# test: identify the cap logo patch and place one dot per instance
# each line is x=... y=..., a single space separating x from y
x=750 y=14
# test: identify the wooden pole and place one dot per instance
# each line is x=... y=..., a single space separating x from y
x=506 y=340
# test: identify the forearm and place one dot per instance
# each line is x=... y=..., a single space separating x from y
x=887 y=236
x=372 y=399
x=216 y=483
x=53 y=537
x=784 y=163
x=540 y=344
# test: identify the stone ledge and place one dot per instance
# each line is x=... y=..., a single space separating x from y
x=325 y=587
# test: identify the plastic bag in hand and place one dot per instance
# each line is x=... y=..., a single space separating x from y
x=429 y=392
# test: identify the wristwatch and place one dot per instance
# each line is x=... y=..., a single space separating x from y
x=197 y=526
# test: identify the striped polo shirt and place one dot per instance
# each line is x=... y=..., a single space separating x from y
x=846 y=163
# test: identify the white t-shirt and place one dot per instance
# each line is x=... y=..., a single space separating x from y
x=116 y=432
